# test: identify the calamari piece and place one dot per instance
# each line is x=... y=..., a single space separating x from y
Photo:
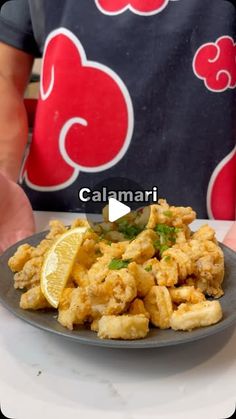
x=74 y=308
x=210 y=276
x=159 y=305
x=124 y=290
x=210 y=270
x=166 y=271
x=142 y=217
x=203 y=260
x=204 y=233
x=88 y=253
x=114 y=294
x=99 y=270
x=137 y=307
x=159 y=214
x=42 y=248
x=182 y=216
x=19 y=259
x=79 y=275
x=208 y=260
x=150 y=264
x=115 y=250
x=191 y=316
x=185 y=294
x=89 y=250
x=29 y=276
x=80 y=222
x=141 y=248
x=179 y=261
x=33 y=299
x=65 y=299
x=163 y=213
x=183 y=234
x=190 y=281
x=123 y=327
x=94 y=324
x=114 y=236
x=57 y=228
x=144 y=280
x=192 y=248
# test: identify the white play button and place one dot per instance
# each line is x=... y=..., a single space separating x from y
x=116 y=210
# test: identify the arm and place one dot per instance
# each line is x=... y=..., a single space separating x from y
x=16 y=220
x=15 y=69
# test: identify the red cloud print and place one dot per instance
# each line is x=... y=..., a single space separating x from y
x=84 y=117
x=221 y=197
x=215 y=63
x=141 y=7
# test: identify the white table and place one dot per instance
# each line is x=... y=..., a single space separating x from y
x=45 y=376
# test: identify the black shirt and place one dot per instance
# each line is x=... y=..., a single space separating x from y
x=141 y=89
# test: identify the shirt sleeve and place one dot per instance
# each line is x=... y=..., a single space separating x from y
x=16 y=27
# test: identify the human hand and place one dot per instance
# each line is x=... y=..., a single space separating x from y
x=16 y=215
x=230 y=238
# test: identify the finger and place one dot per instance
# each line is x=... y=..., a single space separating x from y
x=230 y=238
x=13 y=238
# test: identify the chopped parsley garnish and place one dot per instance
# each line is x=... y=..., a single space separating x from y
x=116 y=264
x=148 y=268
x=167 y=237
x=165 y=229
x=160 y=247
x=129 y=230
x=167 y=258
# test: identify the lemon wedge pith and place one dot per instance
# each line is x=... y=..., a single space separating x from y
x=58 y=264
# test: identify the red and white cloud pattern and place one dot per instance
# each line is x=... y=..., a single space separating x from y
x=215 y=64
x=140 y=7
x=221 y=196
x=84 y=119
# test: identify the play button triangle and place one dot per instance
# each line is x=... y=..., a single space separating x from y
x=117 y=210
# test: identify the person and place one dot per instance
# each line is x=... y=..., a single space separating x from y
x=143 y=89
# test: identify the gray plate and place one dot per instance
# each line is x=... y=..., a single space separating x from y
x=156 y=338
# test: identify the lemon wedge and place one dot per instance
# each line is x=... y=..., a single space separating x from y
x=58 y=264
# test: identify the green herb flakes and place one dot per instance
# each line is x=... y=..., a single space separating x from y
x=117 y=264
x=130 y=231
x=167 y=237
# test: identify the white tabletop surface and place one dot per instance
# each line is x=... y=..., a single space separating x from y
x=46 y=376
